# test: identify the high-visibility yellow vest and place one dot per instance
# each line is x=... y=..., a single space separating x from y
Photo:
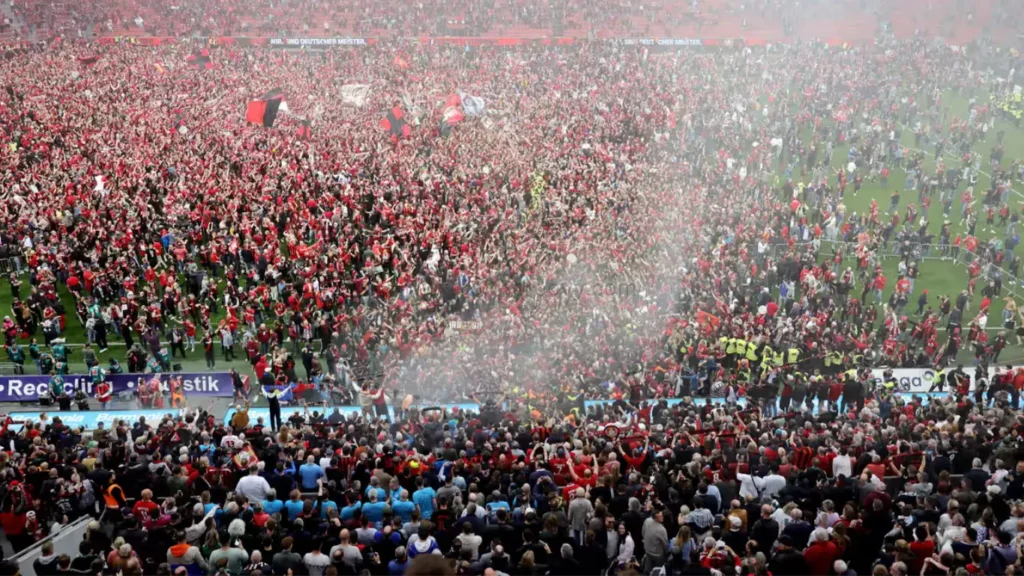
x=730 y=347
x=940 y=376
x=741 y=346
x=780 y=358
x=793 y=355
x=751 y=351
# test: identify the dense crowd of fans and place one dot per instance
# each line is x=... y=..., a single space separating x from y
x=612 y=228
x=959 y=21
x=317 y=18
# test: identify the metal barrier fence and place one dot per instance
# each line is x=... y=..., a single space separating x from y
x=8 y=265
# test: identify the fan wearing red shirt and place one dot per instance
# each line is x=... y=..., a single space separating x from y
x=879 y=285
x=922 y=547
x=825 y=459
x=977 y=565
x=559 y=466
x=802 y=457
x=144 y=505
x=634 y=462
x=587 y=480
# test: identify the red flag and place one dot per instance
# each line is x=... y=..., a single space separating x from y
x=705 y=319
x=255 y=111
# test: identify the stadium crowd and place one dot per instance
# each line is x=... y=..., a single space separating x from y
x=612 y=228
x=305 y=18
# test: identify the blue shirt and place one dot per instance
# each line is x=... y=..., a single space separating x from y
x=310 y=473
x=381 y=494
x=403 y=509
x=272 y=506
x=396 y=568
x=326 y=505
x=294 y=508
x=348 y=511
x=424 y=498
x=493 y=507
x=374 y=512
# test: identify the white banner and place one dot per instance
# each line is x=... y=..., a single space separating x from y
x=355 y=94
x=318 y=41
x=662 y=41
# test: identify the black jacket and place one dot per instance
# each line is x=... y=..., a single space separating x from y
x=765 y=532
x=788 y=562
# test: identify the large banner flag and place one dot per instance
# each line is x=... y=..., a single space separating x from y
x=355 y=95
x=395 y=123
x=25 y=388
x=264 y=111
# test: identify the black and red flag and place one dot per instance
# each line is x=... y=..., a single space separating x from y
x=200 y=59
x=263 y=111
x=394 y=122
x=275 y=93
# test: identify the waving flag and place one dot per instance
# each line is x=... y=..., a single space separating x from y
x=706 y=320
x=451 y=117
x=88 y=60
x=472 y=105
x=395 y=123
x=263 y=111
x=283 y=393
x=305 y=131
x=452 y=114
x=271 y=95
x=200 y=59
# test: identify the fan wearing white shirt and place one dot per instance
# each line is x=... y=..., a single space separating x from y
x=842 y=464
x=750 y=486
x=773 y=483
x=254 y=487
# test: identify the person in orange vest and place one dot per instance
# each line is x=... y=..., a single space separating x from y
x=113 y=496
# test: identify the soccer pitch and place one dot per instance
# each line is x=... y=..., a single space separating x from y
x=940 y=277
